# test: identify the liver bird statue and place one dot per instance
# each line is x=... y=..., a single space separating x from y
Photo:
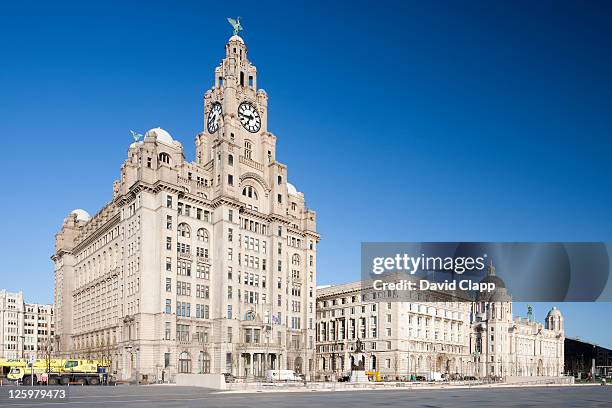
x=235 y=24
x=135 y=135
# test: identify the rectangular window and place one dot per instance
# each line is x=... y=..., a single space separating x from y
x=169 y=222
x=167 y=334
x=168 y=306
x=169 y=202
x=168 y=284
x=169 y=264
x=230 y=179
x=169 y=243
x=229 y=311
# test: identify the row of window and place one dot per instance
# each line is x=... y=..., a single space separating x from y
x=183 y=309
x=183 y=268
x=188 y=210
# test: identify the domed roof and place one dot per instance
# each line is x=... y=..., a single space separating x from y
x=236 y=38
x=291 y=189
x=81 y=215
x=499 y=283
x=161 y=135
x=500 y=296
x=554 y=312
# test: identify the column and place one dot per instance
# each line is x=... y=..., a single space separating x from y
x=250 y=368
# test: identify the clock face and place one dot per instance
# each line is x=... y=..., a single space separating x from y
x=249 y=117
x=214 y=115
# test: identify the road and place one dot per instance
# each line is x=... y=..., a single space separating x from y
x=173 y=396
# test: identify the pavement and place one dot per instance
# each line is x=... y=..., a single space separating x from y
x=168 y=396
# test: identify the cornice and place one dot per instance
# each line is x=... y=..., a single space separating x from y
x=107 y=226
x=225 y=200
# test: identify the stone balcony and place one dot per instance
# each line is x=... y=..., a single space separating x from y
x=251 y=163
x=184 y=255
x=204 y=259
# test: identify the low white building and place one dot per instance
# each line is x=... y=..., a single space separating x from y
x=27 y=328
x=399 y=338
x=429 y=333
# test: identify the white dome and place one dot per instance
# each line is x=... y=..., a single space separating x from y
x=162 y=135
x=82 y=215
x=554 y=312
x=236 y=38
x=291 y=189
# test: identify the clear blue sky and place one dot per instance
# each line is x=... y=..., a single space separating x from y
x=400 y=121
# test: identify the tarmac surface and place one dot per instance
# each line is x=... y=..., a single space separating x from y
x=175 y=396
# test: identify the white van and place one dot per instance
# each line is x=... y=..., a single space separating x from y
x=282 y=375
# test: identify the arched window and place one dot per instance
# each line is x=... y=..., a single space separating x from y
x=250 y=192
x=184 y=363
x=248 y=149
x=295 y=259
x=230 y=160
x=202 y=235
x=164 y=158
x=184 y=231
x=250 y=315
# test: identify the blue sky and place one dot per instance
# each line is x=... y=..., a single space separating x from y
x=400 y=121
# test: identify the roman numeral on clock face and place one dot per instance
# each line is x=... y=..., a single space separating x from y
x=249 y=117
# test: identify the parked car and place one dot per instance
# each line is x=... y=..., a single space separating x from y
x=344 y=378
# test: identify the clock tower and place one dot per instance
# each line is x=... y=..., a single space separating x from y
x=234 y=105
x=273 y=233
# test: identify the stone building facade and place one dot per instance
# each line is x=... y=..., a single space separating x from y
x=28 y=329
x=195 y=267
x=399 y=339
x=430 y=332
